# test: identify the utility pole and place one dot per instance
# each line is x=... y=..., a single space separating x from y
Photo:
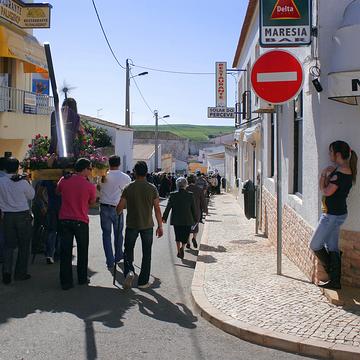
x=127 y=95
x=156 y=139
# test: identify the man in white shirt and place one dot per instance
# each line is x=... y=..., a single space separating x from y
x=111 y=189
x=15 y=194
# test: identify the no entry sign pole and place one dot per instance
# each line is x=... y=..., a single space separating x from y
x=277 y=77
x=278 y=194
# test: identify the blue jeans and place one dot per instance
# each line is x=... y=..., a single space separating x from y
x=53 y=237
x=2 y=240
x=327 y=233
x=146 y=244
x=110 y=219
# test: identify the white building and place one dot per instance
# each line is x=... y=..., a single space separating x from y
x=146 y=152
x=121 y=138
x=307 y=126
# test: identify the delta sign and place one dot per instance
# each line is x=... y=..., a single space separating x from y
x=285 y=23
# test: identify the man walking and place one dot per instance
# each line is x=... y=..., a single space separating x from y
x=111 y=188
x=15 y=194
x=77 y=194
x=139 y=198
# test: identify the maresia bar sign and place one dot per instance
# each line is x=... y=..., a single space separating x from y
x=285 y=23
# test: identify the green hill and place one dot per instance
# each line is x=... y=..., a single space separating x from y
x=192 y=132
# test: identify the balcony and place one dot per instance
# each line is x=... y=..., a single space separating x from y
x=26 y=102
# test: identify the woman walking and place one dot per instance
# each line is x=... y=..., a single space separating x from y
x=335 y=184
x=182 y=204
x=200 y=207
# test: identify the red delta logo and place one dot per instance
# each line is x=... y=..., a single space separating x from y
x=285 y=9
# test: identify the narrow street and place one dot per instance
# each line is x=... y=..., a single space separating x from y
x=40 y=321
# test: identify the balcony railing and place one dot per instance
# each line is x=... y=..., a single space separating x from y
x=20 y=101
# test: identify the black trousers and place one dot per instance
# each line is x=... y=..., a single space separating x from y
x=17 y=234
x=146 y=243
x=69 y=229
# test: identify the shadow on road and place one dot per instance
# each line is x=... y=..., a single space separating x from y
x=43 y=294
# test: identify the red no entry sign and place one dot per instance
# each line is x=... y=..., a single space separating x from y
x=277 y=77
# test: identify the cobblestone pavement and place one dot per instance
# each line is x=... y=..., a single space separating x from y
x=241 y=282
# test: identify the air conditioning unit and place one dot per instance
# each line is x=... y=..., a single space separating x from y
x=264 y=107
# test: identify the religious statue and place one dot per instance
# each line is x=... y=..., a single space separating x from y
x=71 y=122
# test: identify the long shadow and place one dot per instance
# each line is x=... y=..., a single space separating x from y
x=164 y=310
x=43 y=293
x=187 y=263
x=209 y=248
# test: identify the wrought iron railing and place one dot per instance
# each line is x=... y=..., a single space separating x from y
x=16 y=100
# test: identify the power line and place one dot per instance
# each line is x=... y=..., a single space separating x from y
x=152 y=111
x=175 y=72
x=142 y=96
x=106 y=38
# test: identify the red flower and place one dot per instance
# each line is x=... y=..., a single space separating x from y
x=37 y=136
x=30 y=146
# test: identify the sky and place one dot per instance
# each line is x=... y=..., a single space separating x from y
x=185 y=36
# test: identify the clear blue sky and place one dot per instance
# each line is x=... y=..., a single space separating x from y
x=187 y=35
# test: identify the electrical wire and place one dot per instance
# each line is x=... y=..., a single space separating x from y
x=175 y=72
x=152 y=111
x=106 y=38
x=142 y=96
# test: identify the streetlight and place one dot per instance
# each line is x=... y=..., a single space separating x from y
x=98 y=112
x=127 y=92
x=156 y=114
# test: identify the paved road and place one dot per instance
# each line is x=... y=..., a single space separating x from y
x=40 y=321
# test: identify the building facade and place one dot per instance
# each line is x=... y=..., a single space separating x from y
x=308 y=125
x=25 y=104
x=121 y=139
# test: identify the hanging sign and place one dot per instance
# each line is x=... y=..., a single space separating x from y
x=285 y=23
x=220 y=78
x=25 y=15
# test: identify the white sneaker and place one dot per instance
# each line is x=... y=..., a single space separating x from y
x=50 y=260
x=144 y=286
x=128 y=280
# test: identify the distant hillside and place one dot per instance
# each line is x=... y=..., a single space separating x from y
x=192 y=132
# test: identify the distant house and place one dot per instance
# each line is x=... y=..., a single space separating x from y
x=146 y=152
x=170 y=143
x=121 y=136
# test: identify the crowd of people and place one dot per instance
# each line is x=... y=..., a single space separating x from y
x=48 y=215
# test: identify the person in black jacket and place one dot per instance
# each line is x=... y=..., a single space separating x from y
x=183 y=214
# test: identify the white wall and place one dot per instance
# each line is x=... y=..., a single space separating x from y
x=324 y=121
x=123 y=144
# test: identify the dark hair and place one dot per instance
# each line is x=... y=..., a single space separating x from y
x=114 y=161
x=12 y=165
x=71 y=103
x=141 y=168
x=3 y=163
x=82 y=164
x=346 y=153
x=191 y=179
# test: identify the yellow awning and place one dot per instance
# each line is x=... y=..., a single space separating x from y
x=25 y=48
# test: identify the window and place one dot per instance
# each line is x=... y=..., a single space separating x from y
x=298 y=144
x=272 y=145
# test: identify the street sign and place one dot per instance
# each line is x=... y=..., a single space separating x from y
x=221 y=112
x=221 y=87
x=277 y=77
x=285 y=23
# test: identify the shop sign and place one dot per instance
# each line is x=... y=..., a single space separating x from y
x=221 y=112
x=24 y=15
x=220 y=76
x=285 y=23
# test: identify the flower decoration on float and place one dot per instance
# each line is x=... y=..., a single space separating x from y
x=38 y=156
